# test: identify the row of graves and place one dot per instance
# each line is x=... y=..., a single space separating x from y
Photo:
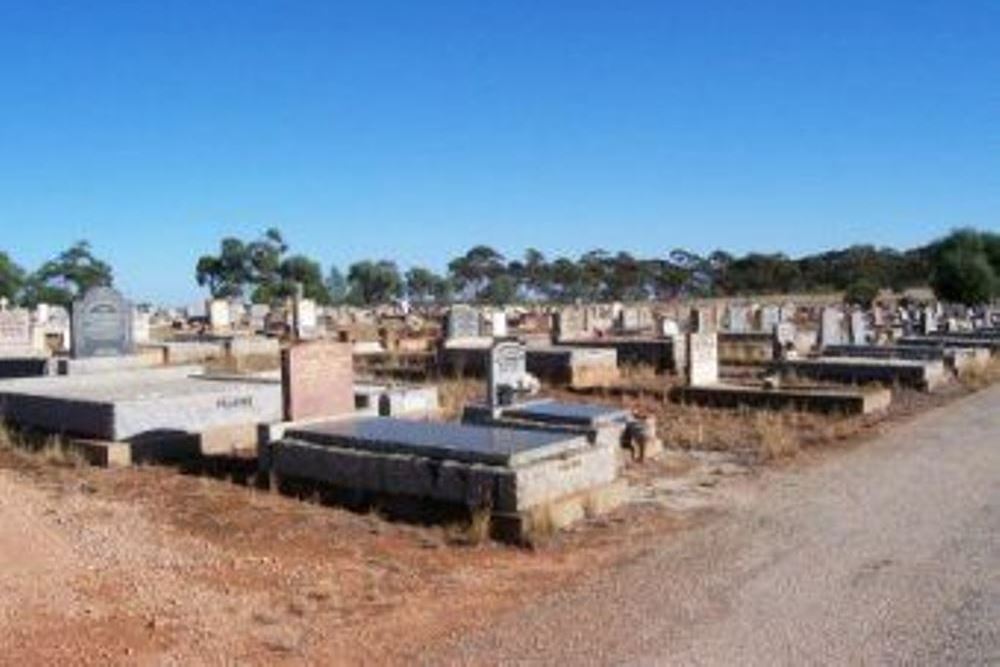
x=864 y=352
x=469 y=336
x=529 y=463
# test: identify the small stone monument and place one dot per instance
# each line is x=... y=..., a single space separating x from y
x=317 y=380
x=704 y=320
x=702 y=359
x=508 y=375
x=568 y=323
x=738 y=319
x=219 y=315
x=768 y=317
x=784 y=341
x=102 y=324
x=831 y=324
x=858 y=325
x=306 y=319
x=499 y=324
x=140 y=327
x=15 y=333
x=464 y=322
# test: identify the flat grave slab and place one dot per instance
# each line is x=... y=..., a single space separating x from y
x=574 y=414
x=457 y=442
x=852 y=370
x=798 y=398
x=138 y=404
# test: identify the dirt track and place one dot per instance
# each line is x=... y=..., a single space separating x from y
x=887 y=554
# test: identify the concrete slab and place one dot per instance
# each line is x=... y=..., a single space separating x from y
x=455 y=442
x=138 y=404
x=807 y=400
x=925 y=375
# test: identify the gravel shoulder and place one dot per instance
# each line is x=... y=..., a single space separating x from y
x=888 y=553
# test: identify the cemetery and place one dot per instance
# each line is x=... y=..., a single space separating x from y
x=350 y=398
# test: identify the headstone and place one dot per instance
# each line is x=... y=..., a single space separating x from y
x=858 y=328
x=704 y=320
x=629 y=320
x=768 y=317
x=702 y=359
x=499 y=322
x=15 y=333
x=197 y=310
x=258 y=316
x=305 y=318
x=787 y=312
x=42 y=314
x=831 y=327
x=784 y=340
x=317 y=380
x=102 y=324
x=568 y=323
x=508 y=373
x=219 y=315
x=738 y=319
x=463 y=322
x=668 y=328
x=140 y=327
x=928 y=321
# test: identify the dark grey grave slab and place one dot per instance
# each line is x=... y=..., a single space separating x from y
x=457 y=442
x=573 y=414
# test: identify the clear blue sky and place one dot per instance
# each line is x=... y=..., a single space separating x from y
x=415 y=129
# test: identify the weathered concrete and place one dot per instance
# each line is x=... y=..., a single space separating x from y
x=572 y=366
x=864 y=401
x=518 y=475
x=148 y=358
x=925 y=375
x=662 y=354
x=138 y=404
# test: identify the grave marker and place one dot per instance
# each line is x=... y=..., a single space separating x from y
x=499 y=324
x=317 y=380
x=738 y=319
x=219 y=315
x=507 y=375
x=831 y=327
x=464 y=322
x=102 y=324
x=15 y=333
x=568 y=323
x=702 y=359
x=858 y=328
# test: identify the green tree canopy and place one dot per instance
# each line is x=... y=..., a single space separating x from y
x=371 y=283
x=962 y=270
x=67 y=276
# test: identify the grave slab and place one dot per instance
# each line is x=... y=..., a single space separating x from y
x=139 y=404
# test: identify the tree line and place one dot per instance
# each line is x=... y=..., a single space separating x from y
x=963 y=267
x=58 y=281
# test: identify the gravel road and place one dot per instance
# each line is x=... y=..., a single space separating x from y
x=885 y=554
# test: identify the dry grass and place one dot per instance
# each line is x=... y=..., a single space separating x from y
x=454 y=394
x=638 y=373
x=775 y=440
x=980 y=376
x=45 y=449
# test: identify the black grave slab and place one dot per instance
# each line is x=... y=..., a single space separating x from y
x=458 y=442
x=569 y=414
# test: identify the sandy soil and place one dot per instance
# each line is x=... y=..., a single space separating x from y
x=155 y=565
